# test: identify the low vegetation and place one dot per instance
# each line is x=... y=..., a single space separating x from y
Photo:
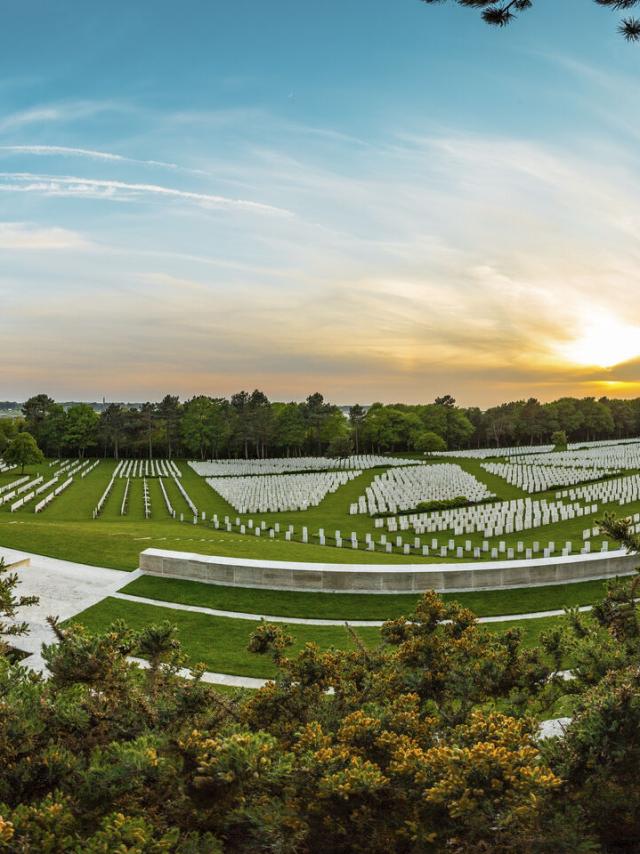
x=426 y=741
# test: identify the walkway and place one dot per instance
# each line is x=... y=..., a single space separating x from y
x=308 y=621
x=64 y=588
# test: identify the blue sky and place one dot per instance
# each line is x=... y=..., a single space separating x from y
x=378 y=200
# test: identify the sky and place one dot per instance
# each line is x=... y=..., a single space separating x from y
x=375 y=199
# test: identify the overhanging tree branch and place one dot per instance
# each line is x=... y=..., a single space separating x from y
x=499 y=14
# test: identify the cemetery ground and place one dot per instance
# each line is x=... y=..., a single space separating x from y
x=66 y=530
x=220 y=643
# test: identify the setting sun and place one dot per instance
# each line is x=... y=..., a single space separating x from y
x=605 y=341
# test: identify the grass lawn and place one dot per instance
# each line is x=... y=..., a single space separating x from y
x=359 y=606
x=220 y=643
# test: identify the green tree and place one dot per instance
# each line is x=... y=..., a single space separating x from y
x=597 y=420
x=169 y=410
x=315 y=411
x=10 y=626
x=196 y=425
x=356 y=417
x=559 y=440
x=112 y=427
x=23 y=451
x=52 y=430
x=244 y=427
x=35 y=410
x=499 y=13
x=8 y=431
x=81 y=427
x=222 y=421
x=335 y=434
x=261 y=421
x=290 y=428
x=429 y=442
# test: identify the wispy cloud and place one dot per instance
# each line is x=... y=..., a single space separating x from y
x=20 y=236
x=96 y=188
x=92 y=154
x=65 y=111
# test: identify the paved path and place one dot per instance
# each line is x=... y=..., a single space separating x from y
x=64 y=588
x=304 y=621
x=241 y=615
x=215 y=678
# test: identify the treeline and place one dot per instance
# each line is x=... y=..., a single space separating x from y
x=250 y=425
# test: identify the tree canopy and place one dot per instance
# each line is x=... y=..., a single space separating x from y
x=499 y=13
x=250 y=425
x=23 y=451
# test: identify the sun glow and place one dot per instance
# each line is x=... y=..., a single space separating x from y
x=605 y=341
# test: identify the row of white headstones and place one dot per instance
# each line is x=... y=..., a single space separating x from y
x=404 y=488
x=25 y=489
x=541 y=478
x=520 y=450
x=146 y=495
x=147 y=468
x=293 y=465
x=278 y=493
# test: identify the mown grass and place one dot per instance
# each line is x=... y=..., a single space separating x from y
x=220 y=643
x=359 y=606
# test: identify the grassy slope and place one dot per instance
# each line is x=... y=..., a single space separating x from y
x=343 y=606
x=220 y=643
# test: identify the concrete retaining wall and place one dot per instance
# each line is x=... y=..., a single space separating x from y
x=381 y=578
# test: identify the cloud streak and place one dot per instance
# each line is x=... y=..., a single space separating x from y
x=21 y=237
x=92 y=154
x=113 y=190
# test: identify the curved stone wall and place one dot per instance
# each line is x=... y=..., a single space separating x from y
x=381 y=578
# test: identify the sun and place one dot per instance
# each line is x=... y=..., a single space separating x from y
x=605 y=341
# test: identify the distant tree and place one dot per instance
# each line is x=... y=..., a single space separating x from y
x=290 y=429
x=112 y=426
x=81 y=427
x=51 y=432
x=8 y=431
x=429 y=442
x=169 y=412
x=35 y=410
x=531 y=423
x=315 y=411
x=261 y=421
x=149 y=416
x=596 y=418
x=222 y=422
x=340 y=446
x=564 y=414
x=335 y=434
x=240 y=403
x=445 y=400
x=499 y=13
x=622 y=414
x=23 y=451
x=197 y=425
x=356 y=417
x=559 y=440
